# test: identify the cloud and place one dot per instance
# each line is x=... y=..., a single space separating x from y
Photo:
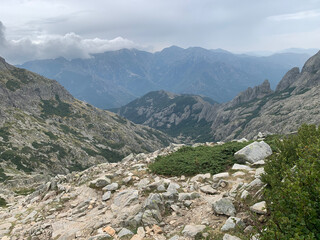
x=69 y=46
x=296 y=16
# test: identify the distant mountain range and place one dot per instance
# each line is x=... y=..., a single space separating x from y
x=112 y=79
x=295 y=101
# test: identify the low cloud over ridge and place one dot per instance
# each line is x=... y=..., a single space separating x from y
x=69 y=46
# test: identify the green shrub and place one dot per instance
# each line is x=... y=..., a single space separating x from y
x=19 y=161
x=90 y=152
x=293 y=187
x=3 y=202
x=111 y=156
x=51 y=135
x=191 y=161
x=3 y=176
x=4 y=133
x=13 y=85
x=55 y=107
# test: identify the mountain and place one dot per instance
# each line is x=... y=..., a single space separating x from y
x=45 y=131
x=175 y=114
x=114 y=78
x=258 y=109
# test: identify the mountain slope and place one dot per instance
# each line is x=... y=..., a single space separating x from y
x=44 y=130
x=175 y=114
x=259 y=109
x=114 y=78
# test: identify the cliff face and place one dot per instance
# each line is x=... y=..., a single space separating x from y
x=294 y=102
x=250 y=94
x=44 y=130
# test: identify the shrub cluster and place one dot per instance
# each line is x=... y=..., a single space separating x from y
x=293 y=187
x=193 y=160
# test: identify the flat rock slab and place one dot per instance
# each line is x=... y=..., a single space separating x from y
x=241 y=167
x=126 y=197
x=230 y=237
x=111 y=187
x=208 y=189
x=254 y=152
x=192 y=230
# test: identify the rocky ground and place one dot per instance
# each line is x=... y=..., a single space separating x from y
x=125 y=201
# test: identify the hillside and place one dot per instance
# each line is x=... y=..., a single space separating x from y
x=114 y=78
x=45 y=131
x=254 y=110
x=126 y=201
x=176 y=114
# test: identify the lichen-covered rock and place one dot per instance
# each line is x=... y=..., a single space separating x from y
x=232 y=223
x=224 y=206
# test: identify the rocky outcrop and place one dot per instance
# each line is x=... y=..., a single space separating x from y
x=288 y=79
x=252 y=94
x=174 y=114
x=73 y=207
x=255 y=110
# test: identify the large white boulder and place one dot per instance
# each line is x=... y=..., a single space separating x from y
x=254 y=152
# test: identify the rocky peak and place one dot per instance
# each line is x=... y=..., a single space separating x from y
x=3 y=63
x=253 y=93
x=288 y=79
x=312 y=65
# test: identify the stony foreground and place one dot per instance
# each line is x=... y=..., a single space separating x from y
x=125 y=201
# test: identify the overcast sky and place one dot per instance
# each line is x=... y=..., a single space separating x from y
x=38 y=29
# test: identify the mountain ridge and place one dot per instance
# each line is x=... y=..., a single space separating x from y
x=114 y=78
x=254 y=110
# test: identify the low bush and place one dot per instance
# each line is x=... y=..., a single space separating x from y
x=293 y=187
x=3 y=202
x=203 y=159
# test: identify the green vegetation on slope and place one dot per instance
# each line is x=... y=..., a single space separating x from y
x=203 y=159
x=293 y=190
x=55 y=107
x=3 y=202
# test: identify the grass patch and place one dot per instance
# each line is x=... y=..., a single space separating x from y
x=190 y=161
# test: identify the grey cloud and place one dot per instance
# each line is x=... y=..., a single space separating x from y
x=234 y=25
x=69 y=46
x=2 y=36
